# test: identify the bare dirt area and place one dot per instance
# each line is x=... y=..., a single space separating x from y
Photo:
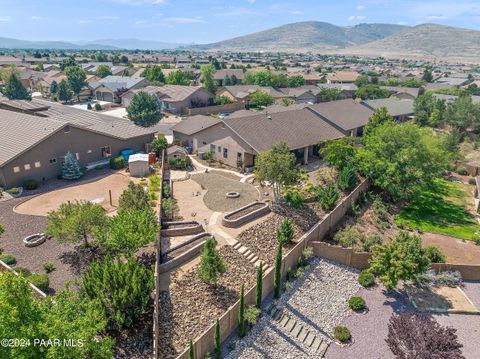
x=191 y=305
x=96 y=191
x=191 y=206
x=456 y=250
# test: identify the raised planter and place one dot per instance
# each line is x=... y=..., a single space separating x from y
x=34 y=240
x=195 y=243
x=245 y=214
x=181 y=228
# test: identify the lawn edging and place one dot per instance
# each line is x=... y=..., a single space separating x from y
x=39 y=293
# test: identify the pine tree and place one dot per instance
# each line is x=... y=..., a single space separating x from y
x=218 y=341
x=211 y=265
x=241 y=315
x=277 y=280
x=64 y=93
x=285 y=231
x=14 y=88
x=191 y=353
x=259 y=285
x=71 y=168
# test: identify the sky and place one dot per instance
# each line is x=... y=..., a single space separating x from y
x=205 y=21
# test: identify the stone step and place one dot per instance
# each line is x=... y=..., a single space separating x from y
x=257 y=263
x=296 y=330
x=284 y=321
x=242 y=249
x=309 y=339
x=271 y=308
x=303 y=334
x=247 y=253
x=237 y=245
x=290 y=325
x=254 y=259
x=323 y=349
x=316 y=343
x=277 y=315
x=250 y=256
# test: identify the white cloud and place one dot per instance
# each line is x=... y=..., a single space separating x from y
x=402 y=23
x=34 y=18
x=140 y=22
x=184 y=20
x=232 y=11
x=436 y=17
x=5 y=18
x=361 y=7
x=251 y=1
x=356 y=17
x=297 y=12
x=84 y=21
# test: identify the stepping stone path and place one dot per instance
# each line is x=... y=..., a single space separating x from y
x=251 y=256
x=297 y=331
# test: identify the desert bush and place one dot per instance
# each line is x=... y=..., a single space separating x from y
x=295 y=198
x=461 y=171
x=170 y=208
x=441 y=279
x=370 y=242
x=472 y=181
x=251 y=315
x=117 y=162
x=30 y=184
x=380 y=209
x=8 y=259
x=356 y=303
x=327 y=197
x=48 y=267
x=347 y=179
x=434 y=255
x=342 y=334
x=307 y=253
x=349 y=237
x=23 y=271
x=366 y=279
x=40 y=281
x=416 y=335
x=14 y=190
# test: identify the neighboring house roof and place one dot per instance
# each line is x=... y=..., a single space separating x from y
x=451 y=98
x=194 y=124
x=115 y=83
x=176 y=149
x=341 y=87
x=171 y=93
x=269 y=109
x=395 y=107
x=397 y=90
x=347 y=114
x=220 y=74
x=343 y=76
x=297 y=128
x=34 y=129
x=243 y=91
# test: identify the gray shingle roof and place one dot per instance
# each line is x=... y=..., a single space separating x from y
x=395 y=107
x=114 y=83
x=347 y=114
x=298 y=128
x=194 y=124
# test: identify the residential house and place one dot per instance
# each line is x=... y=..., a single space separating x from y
x=303 y=94
x=231 y=76
x=346 y=90
x=176 y=99
x=112 y=87
x=400 y=109
x=242 y=93
x=37 y=152
x=407 y=93
x=342 y=77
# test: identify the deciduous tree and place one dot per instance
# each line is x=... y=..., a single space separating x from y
x=76 y=77
x=103 y=71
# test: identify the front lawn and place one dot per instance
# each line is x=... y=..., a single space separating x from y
x=443 y=210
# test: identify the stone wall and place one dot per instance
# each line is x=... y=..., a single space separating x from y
x=235 y=223
x=338 y=254
x=468 y=271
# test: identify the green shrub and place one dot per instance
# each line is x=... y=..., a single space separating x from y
x=49 y=267
x=8 y=259
x=23 y=271
x=152 y=196
x=327 y=197
x=98 y=107
x=434 y=255
x=251 y=315
x=461 y=171
x=167 y=191
x=366 y=279
x=342 y=334
x=40 y=281
x=371 y=241
x=472 y=182
x=99 y=167
x=89 y=106
x=347 y=179
x=154 y=183
x=349 y=236
x=380 y=209
x=295 y=198
x=356 y=303
x=307 y=253
x=30 y=184
x=117 y=162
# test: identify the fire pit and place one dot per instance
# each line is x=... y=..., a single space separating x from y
x=232 y=194
x=34 y=240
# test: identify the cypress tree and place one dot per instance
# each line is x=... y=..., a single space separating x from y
x=277 y=280
x=259 y=285
x=71 y=168
x=218 y=342
x=191 y=353
x=285 y=231
x=211 y=264
x=241 y=315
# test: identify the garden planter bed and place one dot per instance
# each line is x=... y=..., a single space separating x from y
x=181 y=228
x=192 y=306
x=245 y=214
x=182 y=247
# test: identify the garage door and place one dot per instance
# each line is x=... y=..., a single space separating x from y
x=107 y=96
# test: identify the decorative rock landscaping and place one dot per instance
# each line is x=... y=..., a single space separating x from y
x=245 y=214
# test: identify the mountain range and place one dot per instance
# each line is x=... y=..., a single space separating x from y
x=426 y=41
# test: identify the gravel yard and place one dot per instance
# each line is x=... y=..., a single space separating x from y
x=218 y=185
x=317 y=300
x=192 y=306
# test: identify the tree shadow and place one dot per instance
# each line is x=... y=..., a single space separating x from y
x=80 y=258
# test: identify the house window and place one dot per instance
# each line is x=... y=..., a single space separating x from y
x=16 y=169
x=212 y=148
x=26 y=166
x=38 y=165
x=225 y=153
x=53 y=161
x=106 y=151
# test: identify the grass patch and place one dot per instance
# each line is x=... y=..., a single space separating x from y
x=443 y=210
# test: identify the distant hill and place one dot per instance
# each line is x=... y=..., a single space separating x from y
x=427 y=41
x=106 y=44
x=309 y=35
